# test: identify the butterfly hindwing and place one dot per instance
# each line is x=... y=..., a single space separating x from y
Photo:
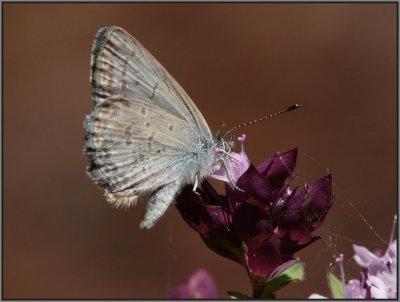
x=133 y=145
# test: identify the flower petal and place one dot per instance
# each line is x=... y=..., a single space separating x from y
x=391 y=253
x=280 y=201
x=317 y=296
x=377 y=267
x=237 y=164
x=255 y=185
x=318 y=201
x=383 y=279
x=263 y=258
x=383 y=287
x=279 y=167
x=355 y=290
x=252 y=184
x=249 y=221
x=363 y=256
x=293 y=222
x=281 y=268
x=215 y=230
x=217 y=217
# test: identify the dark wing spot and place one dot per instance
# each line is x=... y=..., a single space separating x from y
x=143 y=111
x=124 y=102
x=148 y=124
x=127 y=131
x=105 y=104
x=171 y=128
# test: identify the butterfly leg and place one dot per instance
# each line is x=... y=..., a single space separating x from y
x=196 y=183
x=229 y=176
x=159 y=203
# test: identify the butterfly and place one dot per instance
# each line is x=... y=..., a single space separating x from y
x=145 y=136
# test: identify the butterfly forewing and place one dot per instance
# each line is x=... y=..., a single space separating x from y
x=122 y=66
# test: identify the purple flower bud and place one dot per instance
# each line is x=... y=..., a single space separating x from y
x=255 y=185
x=318 y=201
x=306 y=210
x=200 y=285
x=279 y=168
x=264 y=257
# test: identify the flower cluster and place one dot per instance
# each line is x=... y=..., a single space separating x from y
x=378 y=277
x=260 y=222
x=380 y=271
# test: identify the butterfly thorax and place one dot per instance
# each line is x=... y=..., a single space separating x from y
x=209 y=153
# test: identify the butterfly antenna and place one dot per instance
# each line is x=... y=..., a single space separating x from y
x=293 y=107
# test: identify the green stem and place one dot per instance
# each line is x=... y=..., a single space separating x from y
x=258 y=287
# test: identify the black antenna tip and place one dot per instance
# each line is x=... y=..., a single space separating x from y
x=293 y=107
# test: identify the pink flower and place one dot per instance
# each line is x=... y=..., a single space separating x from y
x=200 y=285
x=236 y=163
x=381 y=271
x=378 y=279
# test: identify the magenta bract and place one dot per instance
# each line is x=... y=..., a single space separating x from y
x=264 y=226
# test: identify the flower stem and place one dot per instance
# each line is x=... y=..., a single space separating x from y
x=258 y=288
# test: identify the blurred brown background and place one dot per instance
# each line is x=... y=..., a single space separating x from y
x=237 y=62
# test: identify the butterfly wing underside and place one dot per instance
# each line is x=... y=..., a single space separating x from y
x=122 y=66
x=143 y=128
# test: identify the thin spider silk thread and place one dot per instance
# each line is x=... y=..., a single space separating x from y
x=169 y=261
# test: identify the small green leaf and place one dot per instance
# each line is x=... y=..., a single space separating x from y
x=292 y=274
x=236 y=295
x=336 y=286
x=295 y=272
